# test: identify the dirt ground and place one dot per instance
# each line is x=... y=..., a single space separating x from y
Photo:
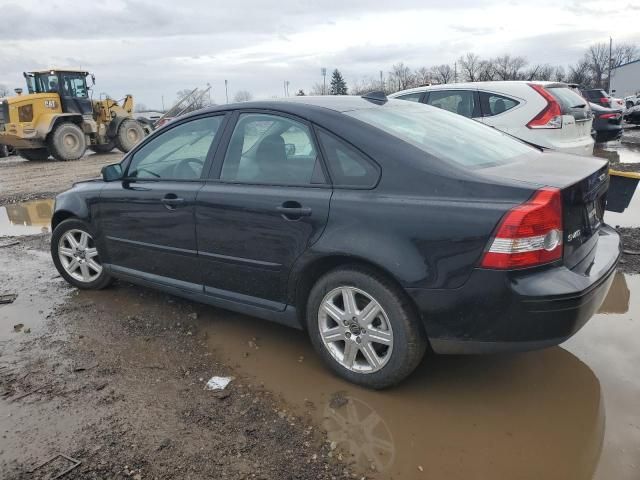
x=23 y=180
x=115 y=379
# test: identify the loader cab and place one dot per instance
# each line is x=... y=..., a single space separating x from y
x=70 y=85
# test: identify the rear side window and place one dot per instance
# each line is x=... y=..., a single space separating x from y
x=412 y=97
x=462 y=102
x=348 y=166
x=567 y=98
x=494 y=104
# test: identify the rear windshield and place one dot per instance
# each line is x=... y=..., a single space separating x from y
x=445 y=135
x=567 y=98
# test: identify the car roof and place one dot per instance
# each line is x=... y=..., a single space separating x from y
x=489 y=84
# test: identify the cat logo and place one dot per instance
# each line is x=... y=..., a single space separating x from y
x=50 y=104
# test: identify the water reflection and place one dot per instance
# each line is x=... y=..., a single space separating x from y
x=26 y=218
x=617 y=300
x=618 y=152
x=528 y=416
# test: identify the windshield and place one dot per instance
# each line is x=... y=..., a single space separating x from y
x=447 y=136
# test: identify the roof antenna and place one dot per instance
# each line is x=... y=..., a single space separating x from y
x=377 y=97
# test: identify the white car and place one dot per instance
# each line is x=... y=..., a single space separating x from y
x=547 y=114
x=632 y=100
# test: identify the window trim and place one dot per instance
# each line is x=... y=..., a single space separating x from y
x=371 y=161
x=421 y=97
x=215 y=171
x=215 y=145
x=473 y=91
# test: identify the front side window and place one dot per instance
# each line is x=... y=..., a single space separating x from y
x=270 y=149
x=461 y=102
x=178 y=153
x=494 y=104
x=449 y=138
x=74 y=86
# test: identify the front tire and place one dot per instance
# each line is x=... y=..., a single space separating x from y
x=76 y=255
x=364 y=327
x=67 y=142
x=103 y=147
x=130 y=132
x=34 y=154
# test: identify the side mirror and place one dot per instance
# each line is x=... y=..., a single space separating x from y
x=111 y=173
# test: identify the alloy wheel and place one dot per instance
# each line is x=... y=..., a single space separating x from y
x=355 y=329
x=79 y=256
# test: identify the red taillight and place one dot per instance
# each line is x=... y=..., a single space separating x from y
x=604 y=100
x=609 y=115
x=551 y=115
x=529 y=234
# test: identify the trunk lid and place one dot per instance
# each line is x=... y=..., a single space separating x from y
x=583 y=182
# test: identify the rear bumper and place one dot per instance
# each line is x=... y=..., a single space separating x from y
x=608 y=132
x=514 y=311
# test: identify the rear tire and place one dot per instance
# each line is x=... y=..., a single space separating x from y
x=104 y=147
x=34 y=154
x=76 y=257
x=4 y=151
x=130 y=133
x=389 y=344
x=629 y=104
x=67 y=142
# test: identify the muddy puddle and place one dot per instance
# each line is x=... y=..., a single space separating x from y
x=27 y=218
x=565 y=412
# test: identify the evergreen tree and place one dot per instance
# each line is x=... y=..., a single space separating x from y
x=338 y=85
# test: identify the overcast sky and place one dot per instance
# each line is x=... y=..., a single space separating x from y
x=152 y=48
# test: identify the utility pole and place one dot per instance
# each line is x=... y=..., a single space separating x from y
x=381 y=82
x=226 y=89
x=324 y=80
x=610 y=61
x=162 y=103
x=455 y=72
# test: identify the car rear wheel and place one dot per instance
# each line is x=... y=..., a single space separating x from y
x=76 y=255
x=364 y=327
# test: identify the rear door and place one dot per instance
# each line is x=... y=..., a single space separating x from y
x=461 y=101
x=147 y=220
x=267 y=199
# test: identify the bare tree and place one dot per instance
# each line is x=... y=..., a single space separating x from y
x=624 y=53
x=508 y=67
x=538 y=72
x=486 y=70
x=559 y=74
x=317 y=89
x=197 y=103
x=579 y=73
x=470 y=67
x=4 y=91
x=422 y=76
x=242 y=96
x=597 y=59
x=442 y=73
x=400 y=76
x=300 y=93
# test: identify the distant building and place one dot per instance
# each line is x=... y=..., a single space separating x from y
x=625 y=79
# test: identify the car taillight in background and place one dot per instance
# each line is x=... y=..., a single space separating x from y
x=529 y=234
x=609 y=115
x=605 y=100
x=551 y=115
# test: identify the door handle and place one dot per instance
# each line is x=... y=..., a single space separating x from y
x=293 y=210
x=171 y=201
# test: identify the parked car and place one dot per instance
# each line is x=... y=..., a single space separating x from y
x=632 y=115
x=632 y=100
x=546 y=114
x=602 y=98
x=607 y=123
x=381 y=227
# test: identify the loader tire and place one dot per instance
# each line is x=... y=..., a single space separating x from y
x=34 y=154
x=130 y=132
x=104 y=147
x=67 y=142
x=4 y=151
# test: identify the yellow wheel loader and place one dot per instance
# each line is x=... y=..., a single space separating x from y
x=58 y=118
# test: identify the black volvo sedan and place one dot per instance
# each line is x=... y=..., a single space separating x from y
x=382 y=228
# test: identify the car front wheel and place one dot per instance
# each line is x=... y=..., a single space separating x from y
x=364 y=327
x=76 y=255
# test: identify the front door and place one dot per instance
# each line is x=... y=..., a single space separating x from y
x=268 y=200
x=146 y=221
x=73 y=93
